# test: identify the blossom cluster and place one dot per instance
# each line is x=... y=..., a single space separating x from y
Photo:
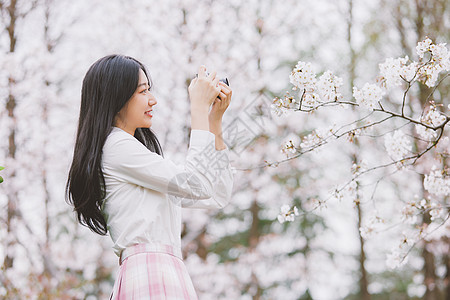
x=289 y=147
x=369 y=96
x=397 y=145
x=303 y=77
x=438 y=62
x=437 y=182
x=410 y=213
x=413 y=209
x=432 y=118
x=329 y=87
x=398 y=256
x=287 y=214
x=312 y=91
x=316 y=138
x=394 y=72
x=358 y=169
x=371 y=227
x=310 y=141
x=282 y=105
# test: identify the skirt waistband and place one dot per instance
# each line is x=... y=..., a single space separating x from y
x=150 y=247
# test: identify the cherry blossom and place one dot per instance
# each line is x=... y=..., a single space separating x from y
x=396 y=71
x=330 y=87
x=287 y=214
x=432 y=118
x=397 y=145
x=303 y=77
x=368 y=96
x=437 y=182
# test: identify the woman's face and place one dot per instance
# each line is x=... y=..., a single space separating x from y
x=137 y=113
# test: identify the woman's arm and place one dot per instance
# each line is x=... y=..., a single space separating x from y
x=204 y=181
x=215 y=116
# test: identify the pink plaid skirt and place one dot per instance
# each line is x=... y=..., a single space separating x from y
x=153 y=271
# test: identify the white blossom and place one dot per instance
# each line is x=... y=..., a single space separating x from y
x=368 y=96
x=436 y=211
x=437 y=183
x=397 y=145
x=396 y=259
x=425 y=133
x=371 y=227
x=423 y=47
x=357 y=169
x=399 y=254
x=428 y=74
x=439 y=61
x=277 y=107
x=432 y=118
x=287 y=214
x=410 y=212
x=395 y=71
x=303 y=77
x=281 y=106
x=423 y=203
x=310 y=141
x=329 y=87
x=289 y=147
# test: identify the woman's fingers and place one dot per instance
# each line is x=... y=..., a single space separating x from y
x=193 y=81
x=224 y=86
x=225 y=89
x=212 y=76
x=215 y=83
x=202 y=71
x=222 y=96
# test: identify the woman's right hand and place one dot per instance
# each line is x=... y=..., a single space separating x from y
x=203 y=90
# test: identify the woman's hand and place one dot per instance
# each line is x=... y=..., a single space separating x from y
x=215 y=115
x=220 y=104
x=203 y=90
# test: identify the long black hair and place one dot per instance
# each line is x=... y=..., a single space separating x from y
x=108 y=85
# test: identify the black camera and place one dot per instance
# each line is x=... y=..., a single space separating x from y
x=224 y=80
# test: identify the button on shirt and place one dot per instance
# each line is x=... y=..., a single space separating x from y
x=145 y=192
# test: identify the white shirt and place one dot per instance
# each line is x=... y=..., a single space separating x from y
x=145 y=192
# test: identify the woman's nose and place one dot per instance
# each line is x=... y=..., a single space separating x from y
x=152 y=101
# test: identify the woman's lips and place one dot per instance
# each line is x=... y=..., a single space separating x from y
x=149 y=113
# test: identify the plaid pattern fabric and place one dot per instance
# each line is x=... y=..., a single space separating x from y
x=153 y=271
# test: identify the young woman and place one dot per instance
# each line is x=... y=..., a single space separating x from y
x=120 y=183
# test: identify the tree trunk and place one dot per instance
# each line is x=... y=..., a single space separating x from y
x=254 y=234
x=426 y=16
x=8 y=262
x=363 y=279
x=447 y=273
x=429 y=269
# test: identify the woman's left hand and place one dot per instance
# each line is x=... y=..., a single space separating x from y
x=221 y=103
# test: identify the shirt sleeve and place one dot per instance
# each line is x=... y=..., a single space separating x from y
x=204 y=181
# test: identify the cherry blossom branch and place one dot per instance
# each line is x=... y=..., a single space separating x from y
x=326 y=104
x=411 y=81
x=436 y=86
x=423 y=238
x=393 y=114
